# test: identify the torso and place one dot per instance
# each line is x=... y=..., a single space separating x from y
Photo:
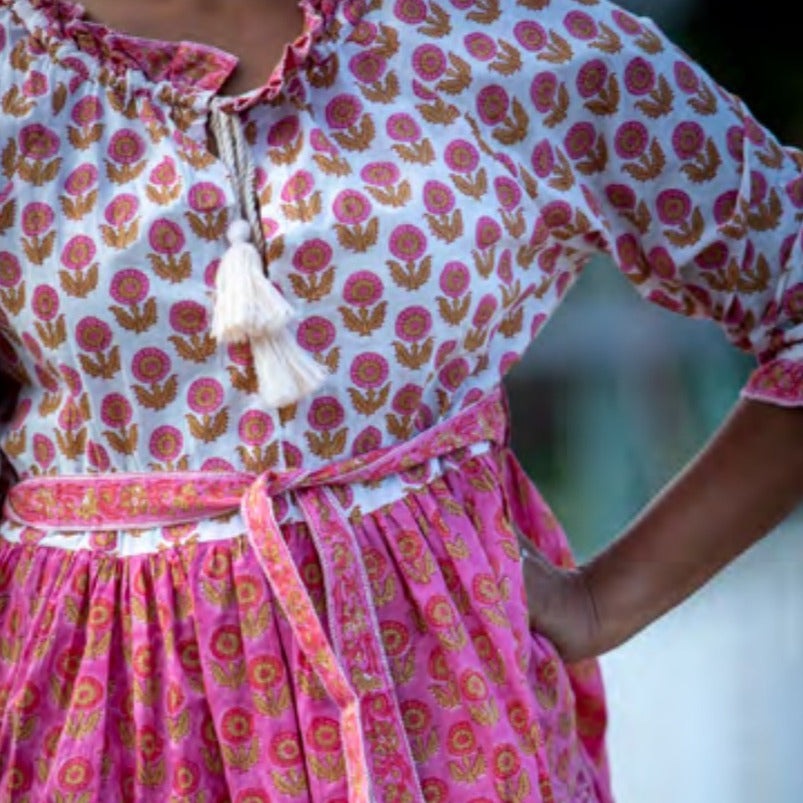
x=253 y=30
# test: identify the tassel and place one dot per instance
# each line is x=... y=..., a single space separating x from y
x=247 y=303
x=285 y=372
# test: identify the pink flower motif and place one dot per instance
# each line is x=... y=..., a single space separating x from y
x=93 y=335
x=166 y=237
x=429 y=62
x=284 y=131
x=38 y=142
x=543 y=159
x=454 y=279
x=363 y=33
x=37 y=218
x=188 y=317
x=714 y=257
x=81 y=180
x=239 y=353
x=255 y=428
x=758 y=188
x=530 y=35
x=381 y=174
x=45 y=302
x=621 y=196
x=626 y=22
x=542 y=91
x=210 y=272
x=591 y=77
x=673 y=206
x=35 y=84
x=461 y=156
x=793 y=301
x=628 y=252
x=631 y=140
x=312 y=256
x=150 y=365
x=481 y=46
x=507 y=193
x=454 y=373
x=216 y=464
x=126 y=147
x=688 y=139
x=206 y=197
x=70 y=417
x=579 y=140
x=122 y=209
x=487 y=232
x=367 y=66
x=580 y=25
x=735 y=141
x=186 y=778
x=407 y=242
x=485 y=310
x=298 y=186
x=166 y=443
x=413 y=324
x=362 y=288
x=407 y=399
x=325 y=413
x=88 y=110
x=369 y=370
x=366 y=441
x=45 y=375
x=403 y=128
x=205 y=395
x=686 y=78
x=72 y=379
x=662 y=264
x=43 y=450
x=725 y=206
x=129 y=286
x=164 y=174
x=412 y=12
x=794 y=190
x=320 y=143
x=438 y=198
x=492 y=104
x=97 y=456
x=343 y=111
x=115 y=411
x=639 y=76
x=351 y=207
x=316 y=334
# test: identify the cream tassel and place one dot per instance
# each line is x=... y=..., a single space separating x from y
x=248 y=306
x=247 y=303
x=285 y=373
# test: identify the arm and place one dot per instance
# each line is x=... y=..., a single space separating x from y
x=746 y=480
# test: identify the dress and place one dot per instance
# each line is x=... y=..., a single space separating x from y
x=204 y=599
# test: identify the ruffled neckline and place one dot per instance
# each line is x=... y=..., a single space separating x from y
x=189 y=67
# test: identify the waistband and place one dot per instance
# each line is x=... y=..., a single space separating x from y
x=351 y=666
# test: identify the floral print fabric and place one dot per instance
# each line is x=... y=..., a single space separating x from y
x=432 y=176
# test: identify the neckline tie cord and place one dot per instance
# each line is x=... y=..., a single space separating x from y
x=248 y=306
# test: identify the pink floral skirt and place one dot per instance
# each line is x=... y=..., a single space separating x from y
x=176 y=676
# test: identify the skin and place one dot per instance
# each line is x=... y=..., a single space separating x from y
x=743 y=483
x=746 y=480
x=253 y=30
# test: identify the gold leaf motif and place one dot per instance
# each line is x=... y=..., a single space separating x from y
x=365 y=320
x=596 y=161
x=515 y=223
x=82 y=138
x=52 y=333
x=508 y=61
x=208 y=428
x=660 y=102
x=608 y=41
x=437 y=24
x=332 y=165
x=71 y=444
x=292 y=783
x=79 y=283
x=157 y=397
x=705 y=101
x=415 y=355
x=38 y=173
x=457 y=77
x=20 y=58
x=171 y=269
x=474 y=188
x=382 y=92
x=512 y=324
x=649 y=42
x=558 y=51
x=773 y=157
x=513 y=128
x=313 y=287
x=386 y=43
x=323 y=73
x=410 y=276
x=418 y=153
x=607 y=101
x=328 y=768
x=38 y=250
x=369 y=402
x=15 y=104
x=195 y=349
x=122 y=174
x=163 y=195
x=484 y=12
x=135 y=319
x=705 y=166
x=242 y=379
x=446 y=227
x=103 y=366
x=120 y=238
x=395 y=196
x=303 y=209
x=125 y=441
x=210 y=226
x=356 y=238
x=649 y=166
x=9 y=158
x=357 y=137
x=14 y=298
x=77 y=208
x=453 y=310
x=7 y=213
x=327 y=445
x=688 y=233
x=560 y=108
x=438 y=112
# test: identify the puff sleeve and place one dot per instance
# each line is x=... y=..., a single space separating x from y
x=626 y=145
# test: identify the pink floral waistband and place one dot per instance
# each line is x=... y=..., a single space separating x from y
x=351 y=666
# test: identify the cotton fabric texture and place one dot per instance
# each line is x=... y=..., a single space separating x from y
x=432 y=176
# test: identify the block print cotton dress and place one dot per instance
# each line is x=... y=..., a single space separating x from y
x=203 y=598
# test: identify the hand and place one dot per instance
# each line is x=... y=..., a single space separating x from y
x=560 y=606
